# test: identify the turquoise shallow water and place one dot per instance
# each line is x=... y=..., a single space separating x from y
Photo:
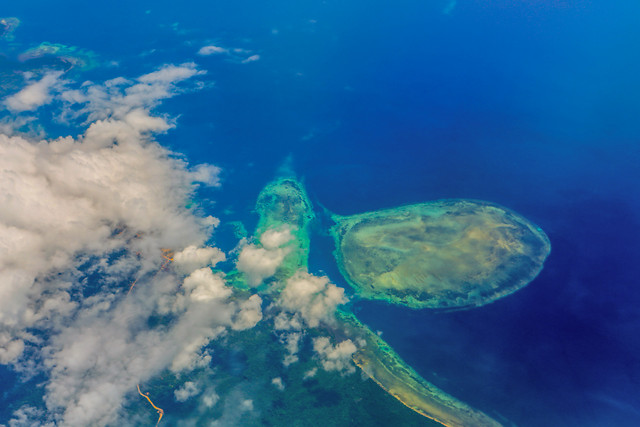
x=529 y=105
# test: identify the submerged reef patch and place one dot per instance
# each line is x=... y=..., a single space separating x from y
x=7 y=27
x=440 y=254
x=75 y=57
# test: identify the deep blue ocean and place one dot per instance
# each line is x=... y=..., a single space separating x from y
x=530 y=104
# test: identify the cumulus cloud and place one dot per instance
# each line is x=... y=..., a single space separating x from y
x=276 y=237
x=206 y=174
x=193 y=257
x=252 y=58
x=277 y=383
x=203 y=286
x=249 y=313
x=291 y=341
x=290 y=331
x=285 y=322
x=98 y=359
x=110 y=205
x=29 y=416
x=237 y=55
x=238 y=410
x=128 y=100
x=188 y=390
x=212 y=50
x=310 y=373
x=167 y=75
x=108 y=190
x=10 y=348
x=259 y=262
x=209 y=398
x=35 y=94
x=314 y=298
x=335 y=357
x=307 y=301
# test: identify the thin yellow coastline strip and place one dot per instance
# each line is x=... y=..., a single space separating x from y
x=146 y=396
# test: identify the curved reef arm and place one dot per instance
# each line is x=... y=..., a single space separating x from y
x=383 y=365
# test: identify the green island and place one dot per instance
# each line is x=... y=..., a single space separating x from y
x=440 y=254
x=443 y=254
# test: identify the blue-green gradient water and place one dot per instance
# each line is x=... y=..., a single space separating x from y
x=530 y=104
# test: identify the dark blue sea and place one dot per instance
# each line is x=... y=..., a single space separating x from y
x=530 y=104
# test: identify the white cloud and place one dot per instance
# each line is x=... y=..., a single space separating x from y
x=110 y=204
x=307 y=300
x=10 y=348
x=289 y=329
x=249 y=313
x=276 y=237
x=291 y=341
x=193 y=257
x=209 y=398
x=212 y=50
x=335 y=357
x=259 y=263
x=238 y=411
x=314 y=298
x=117 y=98
x=29 y=416
x=277 y=383
x=237 y=55
x=188 y=390
x=286 y=322
x=204 y=286
x=168 y=74
x=310 y=373
x=99 y=358
x=252 y=58
x=36 y=94
x=206 y=174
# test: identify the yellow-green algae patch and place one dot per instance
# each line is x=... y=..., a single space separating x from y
x=383 y=365
x=441 y=254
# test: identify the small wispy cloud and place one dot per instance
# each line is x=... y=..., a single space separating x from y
x=35 y=94
x=128 y=100
x=252 y=58
x=212 y=50
x=186 y=391
x=239 y=55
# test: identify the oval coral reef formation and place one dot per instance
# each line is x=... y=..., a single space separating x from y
x=442 y=254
